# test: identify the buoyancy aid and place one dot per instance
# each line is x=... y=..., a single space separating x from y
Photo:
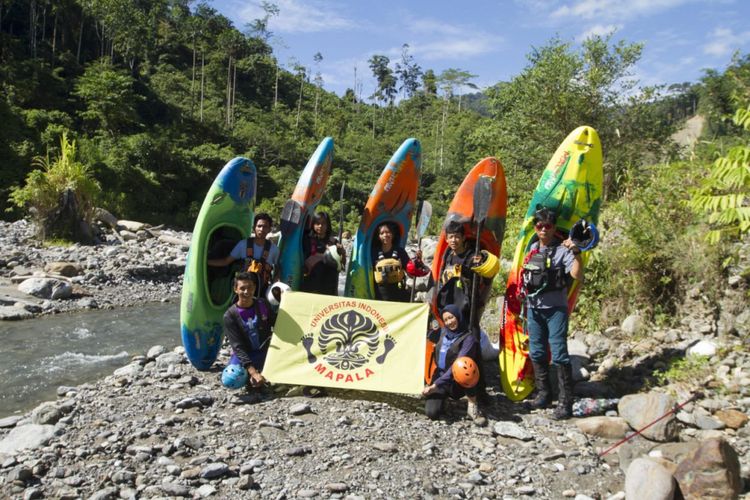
x=259 y=266
x=388 y=268
x=540 y=275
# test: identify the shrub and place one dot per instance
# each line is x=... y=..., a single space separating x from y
x=59 y=194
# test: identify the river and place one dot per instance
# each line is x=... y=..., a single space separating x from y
x=39 y=355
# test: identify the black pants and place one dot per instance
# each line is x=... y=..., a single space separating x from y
x=435 y=403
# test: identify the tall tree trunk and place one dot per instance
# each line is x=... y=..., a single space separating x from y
x=234 y=90
x=276 y=87
x=44 y=21
x=32 y=28
x=299 y=102
x=228 y=90
x=80 y=40
x=442 y=133
x=54 y=35
x=315 y=119
x=192 y=85
x=203 y=79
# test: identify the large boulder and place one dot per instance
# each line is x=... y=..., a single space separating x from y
x=711 y=471
x=633 y=325
x=606 y=427
x=46 y=288
x=641 y=410
x=28 y=437
x=68 y=269
x=647 y=478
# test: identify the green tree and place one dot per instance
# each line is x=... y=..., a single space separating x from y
x=562 y=89
x=386 y=90
x=408 y=72
x=725 y=193
x=108 y=97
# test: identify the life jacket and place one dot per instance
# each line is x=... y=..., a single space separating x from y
x=456 y=281
x=388 y=269
x=259 y=266
x=539 y=275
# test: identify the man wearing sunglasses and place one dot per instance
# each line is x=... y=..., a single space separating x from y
x=548 y=268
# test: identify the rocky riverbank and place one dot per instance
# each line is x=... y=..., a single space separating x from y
x=157 y=428
x=131 y=268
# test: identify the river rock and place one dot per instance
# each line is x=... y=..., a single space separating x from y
x=44 y=288
x=155 y=352
x=633 y=325
x=28 y=436
x=46 y=414
x=708 y=423
x=674 y=452
x=640 y=410
x=511 y=430
x=167 y=359
x=648 y=479
x=606 y=427
x=712 y=470
x=734 y=419
x=13 y=313
x=68 y=269
x=130 y=225
x=9 y=421
x=131 y=371
x=702 y=348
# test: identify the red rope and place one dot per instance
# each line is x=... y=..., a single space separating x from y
x=639 y=431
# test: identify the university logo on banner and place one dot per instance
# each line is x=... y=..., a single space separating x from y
x=330 y=341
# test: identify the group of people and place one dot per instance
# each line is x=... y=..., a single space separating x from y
x=462 y=291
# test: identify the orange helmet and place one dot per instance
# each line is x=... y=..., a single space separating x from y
x=465 y=372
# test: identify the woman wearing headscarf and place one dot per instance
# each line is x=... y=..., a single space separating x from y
x=454 y=341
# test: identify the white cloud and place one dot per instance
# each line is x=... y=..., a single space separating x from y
x=723 y=41
x=613 y=10
x=437 y=40
x=599 y=30
x=299 y=17
x=455 y=48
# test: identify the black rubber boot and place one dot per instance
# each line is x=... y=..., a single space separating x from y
x=543 y=390
x=564 y=408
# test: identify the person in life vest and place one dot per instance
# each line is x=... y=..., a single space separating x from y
x=460 y=265
x=247 y=324
x=259 y=254
x=324 y=258
x=391 y=264
x=452 y=341
x=548 y=268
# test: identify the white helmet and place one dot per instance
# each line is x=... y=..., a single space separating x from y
x=332 y=256
x=281 y=287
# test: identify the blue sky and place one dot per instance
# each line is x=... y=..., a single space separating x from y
x=492 y=38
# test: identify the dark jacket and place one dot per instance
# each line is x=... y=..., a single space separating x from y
x=238 y=337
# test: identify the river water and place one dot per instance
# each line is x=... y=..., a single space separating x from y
x=38 y=355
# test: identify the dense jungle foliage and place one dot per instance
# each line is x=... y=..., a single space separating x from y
x=153 y=97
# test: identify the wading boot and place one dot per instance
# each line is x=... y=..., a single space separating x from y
x=543 y=389
x=564 y=408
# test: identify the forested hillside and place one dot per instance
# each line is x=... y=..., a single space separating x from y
x=156 y=95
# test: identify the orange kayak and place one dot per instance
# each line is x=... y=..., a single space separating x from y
x=462 y=209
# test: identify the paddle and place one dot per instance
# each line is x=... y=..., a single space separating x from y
x=341 y=211
x=482 y=198
x=423 y=217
